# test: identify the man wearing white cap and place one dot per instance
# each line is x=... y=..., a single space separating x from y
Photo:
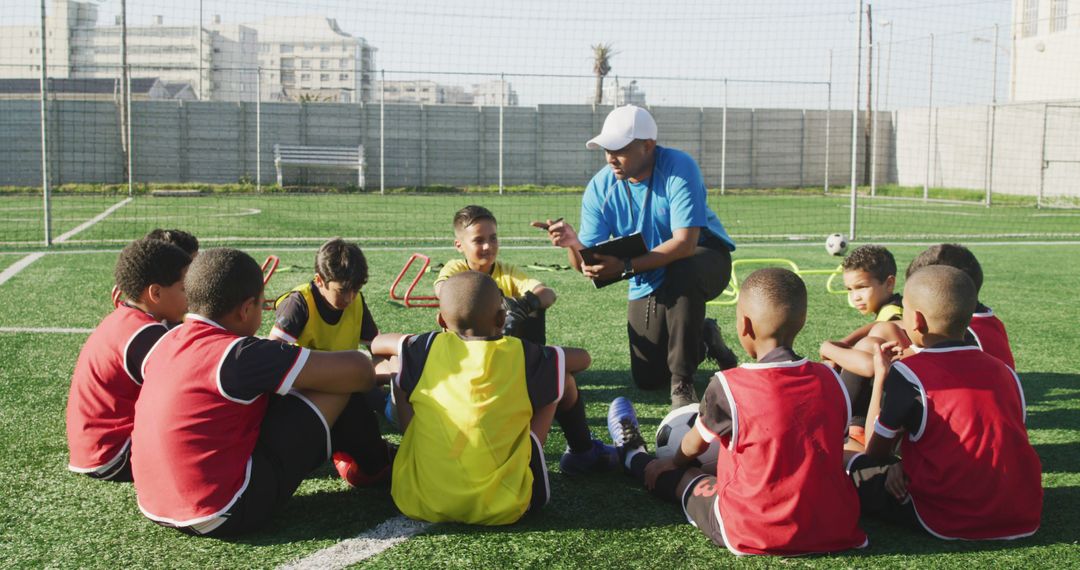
x=660 y=193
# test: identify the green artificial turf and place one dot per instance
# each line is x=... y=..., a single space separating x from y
x=393 y=219
x=50 y=517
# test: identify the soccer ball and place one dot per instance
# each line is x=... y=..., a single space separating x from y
x=674 y=426
x=836 y=244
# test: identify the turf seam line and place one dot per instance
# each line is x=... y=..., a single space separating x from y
x=361 y=547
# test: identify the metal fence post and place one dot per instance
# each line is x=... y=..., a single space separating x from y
x=46 y=192
x=874 y=129
x=929 y=119
x=828 y=122
x=992 y=126
x=855 y=121
x=723 y=144
x=130 y=147
x=258 y=130
x=502 y=96
x=382 y=132
x=1042 y=164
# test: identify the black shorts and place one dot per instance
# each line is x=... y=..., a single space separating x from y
x=699 y=506
x=541 y=488
x=874 y=499
x=294 y=440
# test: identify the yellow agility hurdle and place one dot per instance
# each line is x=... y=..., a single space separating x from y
x=730 y=295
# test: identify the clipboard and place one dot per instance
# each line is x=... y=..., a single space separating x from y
x=632 y=245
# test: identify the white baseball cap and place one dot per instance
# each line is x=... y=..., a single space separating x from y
x=622 y=126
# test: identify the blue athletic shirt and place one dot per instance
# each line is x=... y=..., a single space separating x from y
x=677 y=201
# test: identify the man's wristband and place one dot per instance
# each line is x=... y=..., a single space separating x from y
x=628 y=268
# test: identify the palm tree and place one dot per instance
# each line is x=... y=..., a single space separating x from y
x=602 y=54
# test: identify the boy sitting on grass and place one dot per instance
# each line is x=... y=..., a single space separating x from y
x=476 y=408
x=108 y=374
x=986 y=330
x=779 y=486
x=329 y=313
x=870 y=278
x=968 y=469
x=228 y=425
x=525 y=299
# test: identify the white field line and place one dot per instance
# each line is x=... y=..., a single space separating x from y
x=361 y=547
x=15 y=268
x=44 y=330
x=88 y=223
x=25 y=262
x=794 y=243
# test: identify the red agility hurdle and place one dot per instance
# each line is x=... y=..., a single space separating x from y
x=408 y=298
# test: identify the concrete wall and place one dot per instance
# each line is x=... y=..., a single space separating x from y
x=215 y=142
x=960 y=147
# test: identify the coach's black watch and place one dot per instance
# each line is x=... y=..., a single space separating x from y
x=628 y=268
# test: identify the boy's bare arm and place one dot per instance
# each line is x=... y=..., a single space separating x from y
x=545 y=294
x=340 y=372
x=858 y=334
x=850 y=359
x=387 y=344
x=577 y=359
x=877 y=445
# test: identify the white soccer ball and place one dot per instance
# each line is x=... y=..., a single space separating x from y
x=674 y=426
x=836 y=244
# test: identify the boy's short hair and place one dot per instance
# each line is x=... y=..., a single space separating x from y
x=471 y=214
x=953 y=255
x=342 y=261
x=945 y=293
x=179 y=238
x=145 y=262
x=873 y=259
x=468 y=299
x=220 y=280
x=780 y=293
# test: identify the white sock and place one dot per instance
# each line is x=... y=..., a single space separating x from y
x=630 y=455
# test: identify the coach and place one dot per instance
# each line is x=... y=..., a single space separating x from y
x=660 y=193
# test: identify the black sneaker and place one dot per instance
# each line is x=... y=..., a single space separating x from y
x=715 y=349
x=683 y=395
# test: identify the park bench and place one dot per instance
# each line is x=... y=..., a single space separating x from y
x=319 y=157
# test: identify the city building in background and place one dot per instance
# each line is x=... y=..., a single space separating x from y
x=310 y=58
x=1045 y=43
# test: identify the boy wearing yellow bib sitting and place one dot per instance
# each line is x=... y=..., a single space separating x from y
x=476 y=407
x=329 y=313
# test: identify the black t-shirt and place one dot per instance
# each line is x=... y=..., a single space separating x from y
x=256 y=366
x=292 y=314
x=543 y=368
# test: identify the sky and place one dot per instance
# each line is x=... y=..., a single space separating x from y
x=773 y=53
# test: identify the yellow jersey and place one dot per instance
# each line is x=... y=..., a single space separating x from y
x=320 y=335
x=512 y=281
x=465 y=453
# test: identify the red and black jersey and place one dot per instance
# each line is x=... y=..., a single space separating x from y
x=989 y=334
x=973 y=473
x=105 y=386
x=198 y=418
x=781 y=485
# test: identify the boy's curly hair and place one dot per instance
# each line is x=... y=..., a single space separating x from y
x=220 y=280
x=339 y=260
x=873 y=259
x=953 y=255
x=179 y=238
x=145 y=262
